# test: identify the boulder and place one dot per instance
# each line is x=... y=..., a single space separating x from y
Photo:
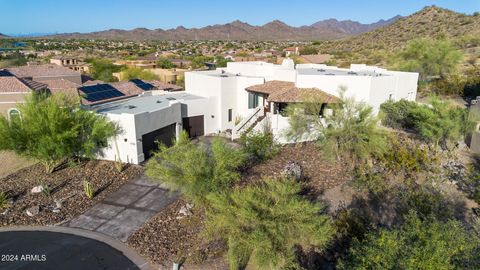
x=33 y=211
x=293 y=170
x=37 y=189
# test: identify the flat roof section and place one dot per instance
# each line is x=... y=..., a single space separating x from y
x=148 y=103
x=338 y=72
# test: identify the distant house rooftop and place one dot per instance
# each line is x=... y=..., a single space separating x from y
x=11 y=84
x=42 y=71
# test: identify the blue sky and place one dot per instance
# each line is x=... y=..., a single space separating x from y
x=51 y=16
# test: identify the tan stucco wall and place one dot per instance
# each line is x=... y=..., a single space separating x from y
x=10 y=100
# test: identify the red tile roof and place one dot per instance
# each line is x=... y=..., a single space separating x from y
x=287 y=92
x=42 y=71
x=12 y=84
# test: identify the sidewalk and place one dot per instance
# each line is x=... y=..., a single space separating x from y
x=125 y=210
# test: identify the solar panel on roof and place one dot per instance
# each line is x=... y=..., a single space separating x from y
x=142 y=85
x=94 y=93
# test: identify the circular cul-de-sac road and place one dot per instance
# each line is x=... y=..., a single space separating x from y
x=38 y=250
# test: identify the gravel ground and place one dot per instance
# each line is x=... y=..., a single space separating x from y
x=66 y=185
x=170 y=236
x=319 y=174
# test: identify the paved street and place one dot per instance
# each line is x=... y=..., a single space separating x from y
x=125 y=210
x=42 y=250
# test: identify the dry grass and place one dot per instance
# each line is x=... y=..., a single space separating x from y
x=10 y=163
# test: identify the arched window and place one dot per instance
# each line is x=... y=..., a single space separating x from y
x=14 y=113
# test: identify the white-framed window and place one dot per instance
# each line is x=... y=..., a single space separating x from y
x=14 y=113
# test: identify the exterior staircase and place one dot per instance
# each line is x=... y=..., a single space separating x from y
x=248 y=123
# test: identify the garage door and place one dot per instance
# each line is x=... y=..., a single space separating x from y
x=194 y=126
x=164 y=135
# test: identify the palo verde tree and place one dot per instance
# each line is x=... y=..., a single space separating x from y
x=51 y=129
x=429 y=57
x=263 y=223
x=418 y=244
x=196 y=169
x=350 y=132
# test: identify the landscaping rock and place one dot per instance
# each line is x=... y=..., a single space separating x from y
x=293 y=170
x=58 y=203
x=37 y=189
x=33 y=211
x=185 y=210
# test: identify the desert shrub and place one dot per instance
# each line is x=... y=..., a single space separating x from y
x=138 y=73
x=88 y=189
x=470 y=184
x=369 y=180
x=418 y=244
x=163 y=62
x=103 y=69
x=263 y=223
x=259 y=145
x=453 y=84
x=406 y=156
x=429 y=57
x=396 y=114
x=196 y=169
x=441 y=121
x=472 y=84
x=52 y=129
x=3 y=200
x=308 y=50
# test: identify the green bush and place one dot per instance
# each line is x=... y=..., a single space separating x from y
x=396 y=114
x=163 y=62
x=441 y=121
x=3 y=200
x=138 y=73
x=405 y=155
x=419 y=244
x=52 y=129
x=260 y=146
x=429 y=57
x=263 y=224
x=103 y=69
x=196 y=169
x=471 y=185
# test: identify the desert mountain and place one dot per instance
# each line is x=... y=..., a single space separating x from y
x=433 y=22
x=237 y=30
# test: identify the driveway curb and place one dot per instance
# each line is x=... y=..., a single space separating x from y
x=116 y=244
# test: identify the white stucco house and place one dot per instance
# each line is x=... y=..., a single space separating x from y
x=240 y=97
x=257 y=92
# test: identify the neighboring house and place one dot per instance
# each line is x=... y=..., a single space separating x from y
x=46 y=72
x=314 y=58
x=13 y=91
x=291 y=51
x=181 y=63
x=71 y=63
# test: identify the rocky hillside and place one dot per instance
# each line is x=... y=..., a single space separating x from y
x=3 y=36
x=237 y=30
x=431 y=22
